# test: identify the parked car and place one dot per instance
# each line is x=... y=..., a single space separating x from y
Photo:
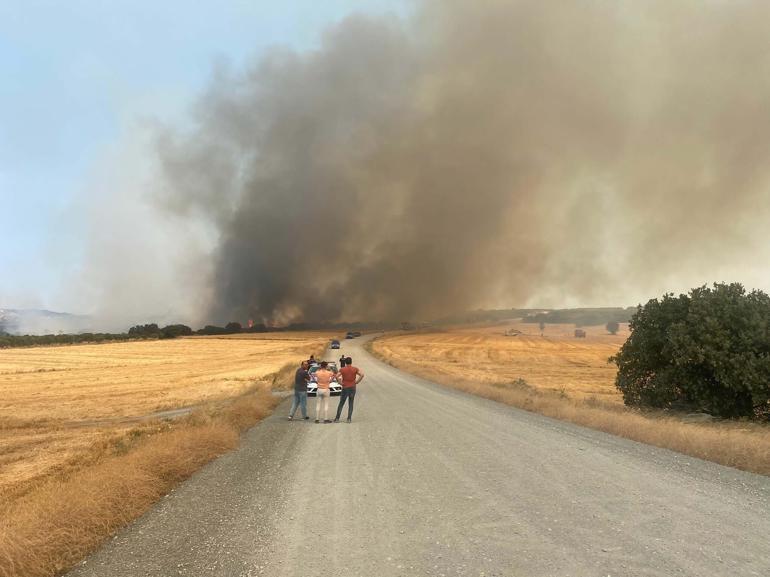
x=335 y=344
x=335 y=388
x=350 y=335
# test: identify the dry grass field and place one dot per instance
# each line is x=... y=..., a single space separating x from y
x=82 y=453
x=58 y=404
x=567 y=378
x=556 y=361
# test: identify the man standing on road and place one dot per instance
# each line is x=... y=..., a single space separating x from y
x=351 y=376
x=301 y=378
x=323 y=378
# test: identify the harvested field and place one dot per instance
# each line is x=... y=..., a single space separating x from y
x=61 y=406
x=566 y=378
x=556 y=361
x=80 y=456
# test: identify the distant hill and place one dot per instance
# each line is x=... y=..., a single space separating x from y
x=41 y=322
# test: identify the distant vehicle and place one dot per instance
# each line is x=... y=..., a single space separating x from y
x=350 y=335
x=334 y=388
x=356 y=334
x=580 y=334
x=335 y=344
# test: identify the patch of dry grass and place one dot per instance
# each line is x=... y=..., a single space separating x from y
x=52 y=527
x=89 y=382
x=72 y=477
x=556 y=361
x=563 y=388
x=59 y=405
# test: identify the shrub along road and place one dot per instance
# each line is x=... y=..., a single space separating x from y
x=431 y=481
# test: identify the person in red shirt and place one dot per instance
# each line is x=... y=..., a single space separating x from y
x=350 y=377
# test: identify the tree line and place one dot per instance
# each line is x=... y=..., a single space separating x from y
x=11 y=341
x=153 y=331
x=139 y=332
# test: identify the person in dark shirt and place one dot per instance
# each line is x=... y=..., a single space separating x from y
x=342 y=361
x=301 y=378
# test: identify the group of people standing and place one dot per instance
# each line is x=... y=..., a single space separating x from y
x=348 y=376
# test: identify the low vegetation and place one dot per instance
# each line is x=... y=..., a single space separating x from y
x=50 y=528
x=153 y=331
x=13 y=341
x=83 y=452
x=708 y=350
x=139 y=332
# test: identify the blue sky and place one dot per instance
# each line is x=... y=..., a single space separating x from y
x=76 y=73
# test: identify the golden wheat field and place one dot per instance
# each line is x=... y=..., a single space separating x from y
x=60 y=406
x=555 y=361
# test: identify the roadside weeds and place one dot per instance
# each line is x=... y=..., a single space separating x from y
x=50 y=528
x=741 y=445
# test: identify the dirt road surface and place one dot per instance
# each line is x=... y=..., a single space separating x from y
x=430 y=481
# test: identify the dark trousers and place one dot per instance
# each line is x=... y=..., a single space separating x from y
x=349 y=394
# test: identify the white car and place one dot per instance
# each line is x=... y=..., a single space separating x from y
x=334 y=387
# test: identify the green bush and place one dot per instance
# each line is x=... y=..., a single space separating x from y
x=212 y=330
x=707 y=350
x=173 y=331
x=143 y=331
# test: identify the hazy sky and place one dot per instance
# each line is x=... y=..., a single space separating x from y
x=77 y=75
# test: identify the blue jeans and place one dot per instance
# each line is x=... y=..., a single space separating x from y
x=300 y=400
x=348 y=393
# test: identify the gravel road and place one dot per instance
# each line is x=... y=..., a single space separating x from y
x=430 y=481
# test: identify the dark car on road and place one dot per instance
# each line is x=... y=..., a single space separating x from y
x=335 y=344
x=350 y=335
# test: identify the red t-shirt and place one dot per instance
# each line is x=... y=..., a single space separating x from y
x=349 y=374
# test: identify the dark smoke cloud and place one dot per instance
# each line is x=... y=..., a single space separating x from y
x=497 y=152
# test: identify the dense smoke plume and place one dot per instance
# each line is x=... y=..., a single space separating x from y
x=484 y=153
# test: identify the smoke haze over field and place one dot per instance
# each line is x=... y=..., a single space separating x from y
x=480 y=154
